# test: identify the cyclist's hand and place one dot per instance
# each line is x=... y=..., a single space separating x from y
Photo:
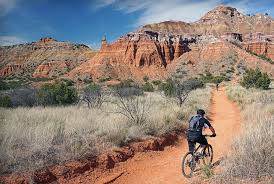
x=213 y=135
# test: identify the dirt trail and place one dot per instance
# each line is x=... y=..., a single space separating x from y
x=165 y=166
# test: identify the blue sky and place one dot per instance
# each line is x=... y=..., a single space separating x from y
x=86 y=21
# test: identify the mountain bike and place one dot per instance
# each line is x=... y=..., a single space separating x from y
x=192 y=159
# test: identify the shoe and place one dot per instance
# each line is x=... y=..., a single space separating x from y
x=199 y=155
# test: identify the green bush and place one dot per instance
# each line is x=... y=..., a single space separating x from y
x=145 y=78
x=148 y=87
x=57 y=94
x=209 y=78
x=255 y=79
x=3 y=85
x=157 y=82
x=168 y=87
x=105 y=79
x=125 y=84
x=5 y=101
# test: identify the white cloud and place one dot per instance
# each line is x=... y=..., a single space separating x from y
x=103 y=3
x=153 y=11
x=187 y=12
x=11 y=40
x=161 y=10
x=6 y=6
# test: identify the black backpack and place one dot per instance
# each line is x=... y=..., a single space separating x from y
x=195 y=127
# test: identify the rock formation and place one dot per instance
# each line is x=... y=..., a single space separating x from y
x=140 y=53
x=45 y=58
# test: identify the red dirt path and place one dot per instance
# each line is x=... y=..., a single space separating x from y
x=163 y=167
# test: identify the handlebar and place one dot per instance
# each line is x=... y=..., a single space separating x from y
x=207 y=135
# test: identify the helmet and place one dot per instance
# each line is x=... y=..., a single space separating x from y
x=200 y=112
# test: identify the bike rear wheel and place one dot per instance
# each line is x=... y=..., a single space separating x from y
x=208 y=155
x=188 y=165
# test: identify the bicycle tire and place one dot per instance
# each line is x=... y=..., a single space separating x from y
x=208 y=152
x=184 y=165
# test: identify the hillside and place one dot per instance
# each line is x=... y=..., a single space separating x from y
x=46 y=59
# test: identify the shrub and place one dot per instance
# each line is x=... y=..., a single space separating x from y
x=23 y=97
x=156 y=82
x=145 y=78
x=183 y=89
x=180 y=90
x=5 y=101
x=255 y=79
x=148 y=87
x=57 y=94
x=125 y=84
x=105 y=79
x=40 y=79
x=209 y=78
x=93 y=95
x=128 y=91
x=3 y=85
x=168 y=88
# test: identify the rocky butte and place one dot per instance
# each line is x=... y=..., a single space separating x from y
x=221 y=40
x=46 y=58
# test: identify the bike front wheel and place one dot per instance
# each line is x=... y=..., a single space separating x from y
x=208 y=155
x=188 y=164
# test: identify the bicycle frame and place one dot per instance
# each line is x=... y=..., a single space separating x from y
x=200 y=144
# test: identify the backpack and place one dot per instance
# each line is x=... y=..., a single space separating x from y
x=195 y=124
x=195 y=127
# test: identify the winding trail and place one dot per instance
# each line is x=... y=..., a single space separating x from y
x=162 y=167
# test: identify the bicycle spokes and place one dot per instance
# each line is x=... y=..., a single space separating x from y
x=188 y=165
x=208 y=155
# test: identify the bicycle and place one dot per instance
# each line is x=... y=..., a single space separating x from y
x=191 y=159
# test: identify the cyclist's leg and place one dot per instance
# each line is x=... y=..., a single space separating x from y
x=203 y=142
x=191 y=145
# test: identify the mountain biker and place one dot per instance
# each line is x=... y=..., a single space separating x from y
x=196 y=125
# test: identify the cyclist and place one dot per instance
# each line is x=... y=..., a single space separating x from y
x=217 y=86
x=196 y=125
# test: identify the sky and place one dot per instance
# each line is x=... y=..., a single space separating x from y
x=86 y=21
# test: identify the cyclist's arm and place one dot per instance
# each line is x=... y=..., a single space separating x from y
x=212 y=130
x=210 y=127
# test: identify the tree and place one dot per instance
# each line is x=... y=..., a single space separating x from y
x=180 y=90
x=131 y=105
x=255 y=79
x=57 y=94
x=183 y=89
x=93 y=95
x=168 y=88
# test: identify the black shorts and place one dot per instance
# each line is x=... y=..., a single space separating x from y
x=197 y=139
x=202 y=140
x=191 y=142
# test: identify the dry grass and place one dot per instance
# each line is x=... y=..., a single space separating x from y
x=34 y=137
x=253 y=154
